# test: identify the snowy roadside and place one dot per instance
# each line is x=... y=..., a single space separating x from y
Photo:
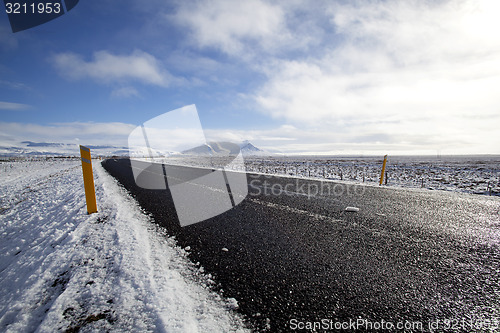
x=64 y=270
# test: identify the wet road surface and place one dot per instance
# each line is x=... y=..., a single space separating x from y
x=294 y=258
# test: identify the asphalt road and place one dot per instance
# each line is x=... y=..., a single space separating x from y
x=407 y=260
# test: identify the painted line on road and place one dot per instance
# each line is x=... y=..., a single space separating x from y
x=320 y=217
x=295 y=210
x=378 y=233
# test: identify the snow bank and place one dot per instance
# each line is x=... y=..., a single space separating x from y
x=61 y=269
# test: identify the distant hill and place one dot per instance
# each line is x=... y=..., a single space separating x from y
x=203 y=150
x=224 y=149
x=249 y=149
x=42 y=144
x=31 y=148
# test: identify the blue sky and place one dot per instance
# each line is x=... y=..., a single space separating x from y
x=336 y=77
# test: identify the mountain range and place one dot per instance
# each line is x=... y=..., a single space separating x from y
x=225 y=148
x=33 y=149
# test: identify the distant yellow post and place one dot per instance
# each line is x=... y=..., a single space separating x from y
x=383 y=170
x=88 y=180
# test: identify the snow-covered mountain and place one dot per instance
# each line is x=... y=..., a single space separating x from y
x=30 y=148
x=225 y=149
x=203 y=150
x=249 y=149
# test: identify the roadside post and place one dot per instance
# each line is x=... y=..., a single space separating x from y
x=88 y=180
x=383 y=170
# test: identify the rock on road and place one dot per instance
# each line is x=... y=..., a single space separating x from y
x=291 y=255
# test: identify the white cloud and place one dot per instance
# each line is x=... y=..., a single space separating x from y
x=106 y=67
x=417 y=74
x=358 y=139
x=125 y=92
x=13 y=106
x=231 y=26
x=83 y=132
x=412 y=32
x=15 y=85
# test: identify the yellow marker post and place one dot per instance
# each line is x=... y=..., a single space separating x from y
x=88 y=180
x=383 y=170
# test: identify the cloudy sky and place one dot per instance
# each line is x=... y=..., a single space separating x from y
x=323 y=77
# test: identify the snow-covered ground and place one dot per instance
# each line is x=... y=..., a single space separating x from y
x=469 y=174
x=64 y=270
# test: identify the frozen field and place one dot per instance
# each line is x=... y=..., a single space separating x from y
x=470 y=174
x=64 y=270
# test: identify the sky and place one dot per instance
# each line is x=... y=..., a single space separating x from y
x=297 y=77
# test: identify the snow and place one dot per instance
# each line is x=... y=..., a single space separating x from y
x=473 y=174
x=51 y=149
x=37 y=149
x=61 y=269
